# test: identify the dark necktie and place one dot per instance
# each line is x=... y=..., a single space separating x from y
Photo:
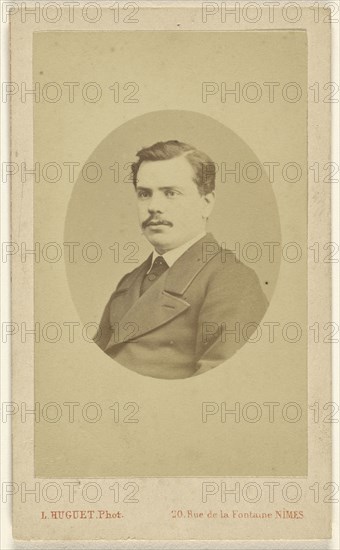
x=158 y=267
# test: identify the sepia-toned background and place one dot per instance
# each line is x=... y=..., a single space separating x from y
x=169 y=438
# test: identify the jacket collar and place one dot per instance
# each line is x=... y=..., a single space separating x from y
x=135 y=315
x=184 y=270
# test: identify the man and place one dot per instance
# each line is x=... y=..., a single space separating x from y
x=182 y=312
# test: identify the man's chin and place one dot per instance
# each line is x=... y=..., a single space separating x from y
x=158 y=239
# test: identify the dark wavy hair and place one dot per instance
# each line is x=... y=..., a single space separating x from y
x=203 y=167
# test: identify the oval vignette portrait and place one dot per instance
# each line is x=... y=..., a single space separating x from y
x=176 y=220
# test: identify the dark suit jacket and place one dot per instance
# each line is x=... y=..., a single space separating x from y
x=177 y=328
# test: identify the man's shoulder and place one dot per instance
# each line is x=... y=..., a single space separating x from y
x=225 y=274
x=210 y=263
x=226 y=258
x=219 y=258
x=225 y=268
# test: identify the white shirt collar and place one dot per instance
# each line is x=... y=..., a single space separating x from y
x=172 y=255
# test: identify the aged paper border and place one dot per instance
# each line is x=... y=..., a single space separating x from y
x=319 y=210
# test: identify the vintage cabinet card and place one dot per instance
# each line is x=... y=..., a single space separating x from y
x=171 y=270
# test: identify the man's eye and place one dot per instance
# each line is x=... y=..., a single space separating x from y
x=170 y=193
x=142 y=194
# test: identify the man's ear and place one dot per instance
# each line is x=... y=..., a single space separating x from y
x=209 y=201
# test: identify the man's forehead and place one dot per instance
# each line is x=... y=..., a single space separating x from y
x=166 y=169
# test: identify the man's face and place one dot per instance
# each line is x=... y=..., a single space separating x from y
x=170 y=208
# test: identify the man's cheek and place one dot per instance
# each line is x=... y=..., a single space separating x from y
x=141 y=213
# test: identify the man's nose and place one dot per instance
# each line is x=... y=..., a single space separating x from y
x=156 y=203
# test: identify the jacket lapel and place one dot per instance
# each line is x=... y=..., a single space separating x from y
x=134 y=315
x=188 y=266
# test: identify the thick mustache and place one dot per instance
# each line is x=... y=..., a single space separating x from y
x=157 y=221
